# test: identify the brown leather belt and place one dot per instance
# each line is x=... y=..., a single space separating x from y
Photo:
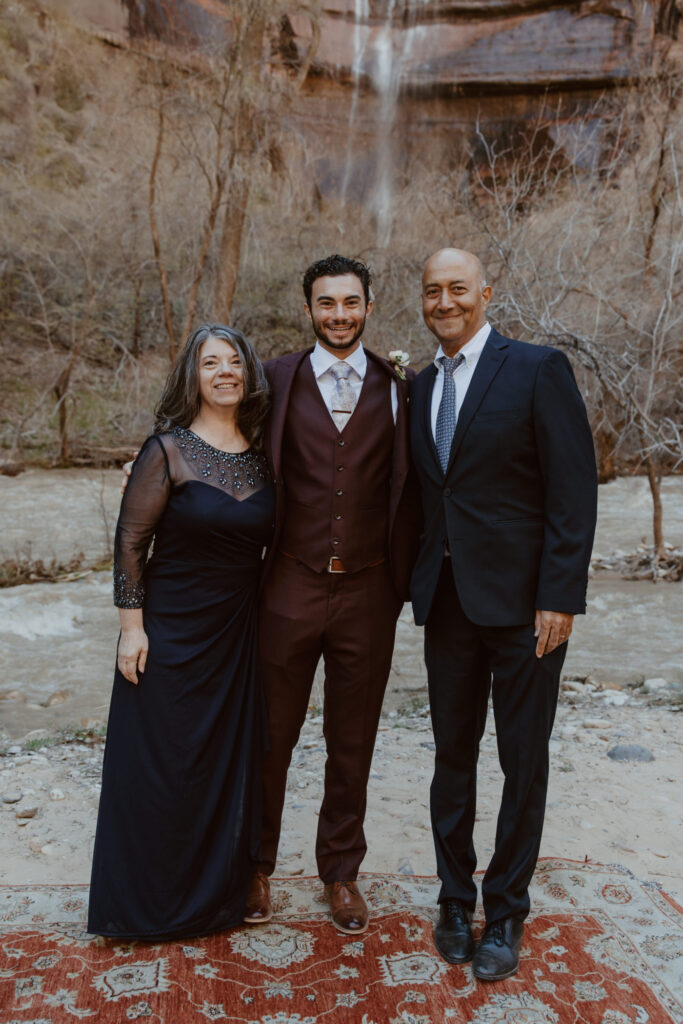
x=335 y=564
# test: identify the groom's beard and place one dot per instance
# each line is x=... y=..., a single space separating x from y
x=330 y=341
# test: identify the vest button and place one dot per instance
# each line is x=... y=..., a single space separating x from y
x=340 y=493
x=339 y=469
x=338 y=516
x=335 y=540
x=341 y=443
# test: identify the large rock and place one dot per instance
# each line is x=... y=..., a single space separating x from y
x=630 y=752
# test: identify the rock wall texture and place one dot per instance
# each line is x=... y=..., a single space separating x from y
x=451 y=45
x=405 y=82
x=475 y=47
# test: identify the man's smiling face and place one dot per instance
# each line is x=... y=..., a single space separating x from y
x=454 y=297
x=338 y=312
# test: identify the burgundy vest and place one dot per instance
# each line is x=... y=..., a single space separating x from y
x=337 y=484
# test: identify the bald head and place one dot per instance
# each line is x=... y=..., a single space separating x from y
x=454 y=258
x=454 y=297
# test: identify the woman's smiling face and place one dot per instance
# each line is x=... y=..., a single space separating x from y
x=221 y=376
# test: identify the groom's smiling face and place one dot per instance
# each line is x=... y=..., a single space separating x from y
x=338 y=311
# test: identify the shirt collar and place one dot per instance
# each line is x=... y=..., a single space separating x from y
x=472 y=350
x=322 y=360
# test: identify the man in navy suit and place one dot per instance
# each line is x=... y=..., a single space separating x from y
x=504 y=454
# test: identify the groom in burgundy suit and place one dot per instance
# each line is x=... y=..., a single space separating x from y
x=338 y=571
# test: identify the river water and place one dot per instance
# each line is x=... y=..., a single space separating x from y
x=57 y=640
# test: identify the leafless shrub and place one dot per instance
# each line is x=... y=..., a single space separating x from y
x=586 y=252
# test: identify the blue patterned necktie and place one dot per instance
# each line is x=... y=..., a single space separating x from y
x=343 y=395
x=448 y=412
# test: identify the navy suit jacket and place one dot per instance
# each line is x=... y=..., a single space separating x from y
x=517 y=505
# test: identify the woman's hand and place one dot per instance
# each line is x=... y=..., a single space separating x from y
x=127 y=469
x=133 y=648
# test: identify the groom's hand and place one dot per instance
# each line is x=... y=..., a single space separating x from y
x=127 y=469
x=551 y=630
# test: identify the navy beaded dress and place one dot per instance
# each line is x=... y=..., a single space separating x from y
x=179 y=817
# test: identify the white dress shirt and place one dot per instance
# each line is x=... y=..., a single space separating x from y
x=462 y=375
x=322 y=360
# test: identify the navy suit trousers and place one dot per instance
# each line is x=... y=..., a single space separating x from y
x=465 y=663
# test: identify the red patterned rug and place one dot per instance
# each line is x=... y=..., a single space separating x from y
x=600 y=947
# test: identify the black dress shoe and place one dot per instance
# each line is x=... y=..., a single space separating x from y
x=498 y=954
x=453 y=934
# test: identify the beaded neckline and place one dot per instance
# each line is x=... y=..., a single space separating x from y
x=227 y=468
x=205 y=444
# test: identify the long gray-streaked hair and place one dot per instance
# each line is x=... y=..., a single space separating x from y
x=180 y=400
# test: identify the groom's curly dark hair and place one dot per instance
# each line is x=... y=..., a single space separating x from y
x=335 y=266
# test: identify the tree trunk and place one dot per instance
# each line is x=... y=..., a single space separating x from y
x=62 y=385
x=168 y=319
x=203 y=256
x=137 y=318
x=231 y=247
x=61 y=392
x=604 y=445
x=247 y=129
x=655 y=481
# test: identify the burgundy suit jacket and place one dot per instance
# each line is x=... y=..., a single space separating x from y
x=404 y=504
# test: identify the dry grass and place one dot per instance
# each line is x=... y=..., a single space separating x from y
x=77 y=131
x=24 y=569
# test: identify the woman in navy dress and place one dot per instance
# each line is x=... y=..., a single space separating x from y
x=179 y=817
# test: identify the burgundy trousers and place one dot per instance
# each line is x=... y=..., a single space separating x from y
x=348 y=619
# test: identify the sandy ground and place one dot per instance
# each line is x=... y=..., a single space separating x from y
x=56 y=651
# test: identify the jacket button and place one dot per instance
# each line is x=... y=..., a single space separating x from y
x=339 y=493
x=341 y=443
x=447 y=492
x=338 y=516
x=335 y=540
x=339 y=469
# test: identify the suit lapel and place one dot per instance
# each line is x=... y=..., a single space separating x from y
x=283 y=378
x=400 y=458
x=425 y=420
x=490 y=361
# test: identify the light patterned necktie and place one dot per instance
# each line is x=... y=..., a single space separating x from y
x=343 y=395
x=447 y=415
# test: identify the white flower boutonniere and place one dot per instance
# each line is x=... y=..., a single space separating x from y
x=398 y=360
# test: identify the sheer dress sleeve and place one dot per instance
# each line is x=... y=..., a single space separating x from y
x=143 y=504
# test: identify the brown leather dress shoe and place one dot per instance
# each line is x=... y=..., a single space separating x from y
x=259 y=908
x=349 y=912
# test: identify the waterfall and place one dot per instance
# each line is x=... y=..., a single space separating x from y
x=361 y=14
x=382 y=55
x=387 y=80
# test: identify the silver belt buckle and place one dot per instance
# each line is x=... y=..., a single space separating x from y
x=335 y=572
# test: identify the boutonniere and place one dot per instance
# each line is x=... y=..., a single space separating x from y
x=398 y=360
